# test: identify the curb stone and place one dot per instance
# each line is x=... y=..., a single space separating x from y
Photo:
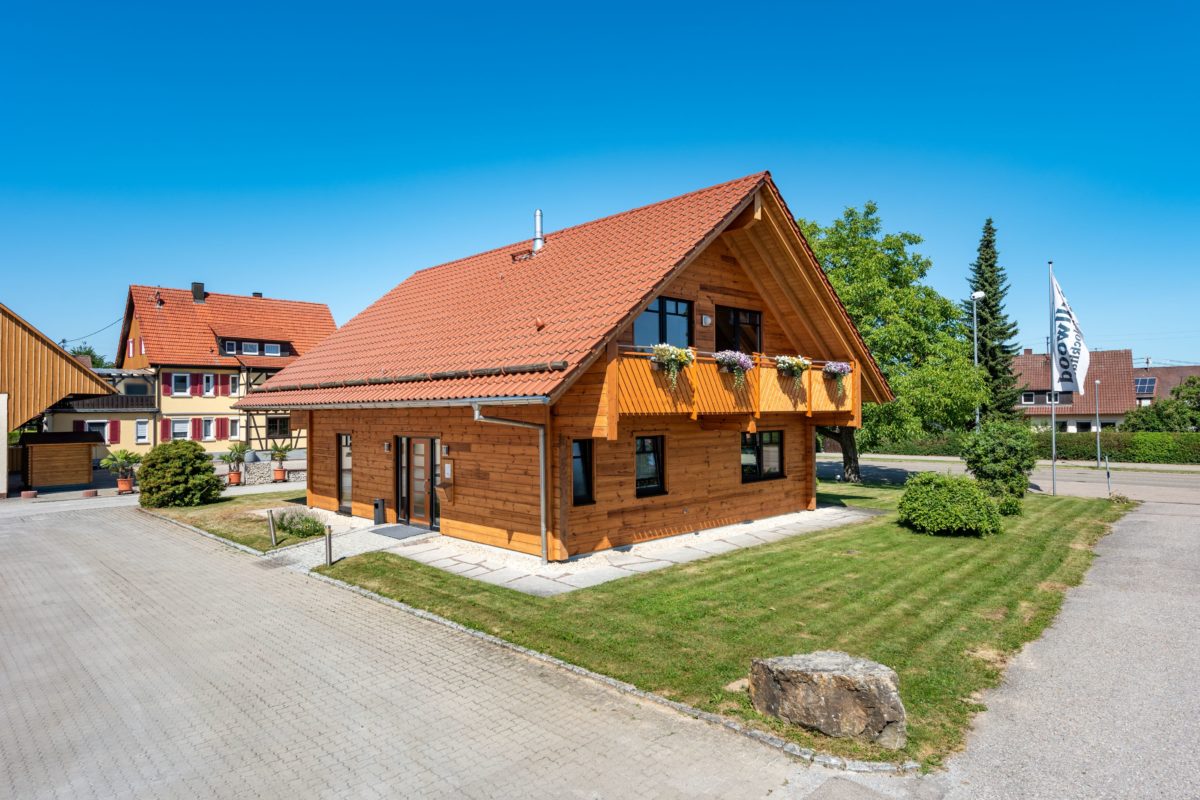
x=762 y=737
x=238 y=545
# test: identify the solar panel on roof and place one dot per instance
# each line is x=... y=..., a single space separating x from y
x=1144 y=385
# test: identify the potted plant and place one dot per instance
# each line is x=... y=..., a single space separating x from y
x=671 y=359
x=122 y=463
x=736 y=362
x=838 y=370
x=279 y=452
x=794 y=366
x=234 y=460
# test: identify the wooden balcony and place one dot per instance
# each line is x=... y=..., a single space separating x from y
x=704 y=390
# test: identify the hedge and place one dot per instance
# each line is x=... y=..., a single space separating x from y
x=1141 y=447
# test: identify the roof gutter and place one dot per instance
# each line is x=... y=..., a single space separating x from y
x=541 y=429
x=518 y=400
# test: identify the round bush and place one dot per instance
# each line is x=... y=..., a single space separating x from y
x=947 y=505
x=296 y=522
x=178 y=473
x=1001 y=455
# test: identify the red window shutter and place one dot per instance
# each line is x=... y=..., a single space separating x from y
x=77 y=426
x=222 y=428
x=166 y=379
x=196 y=430
x=114 y=431
x=165 y=430
x=194 y=379
x=223 y=385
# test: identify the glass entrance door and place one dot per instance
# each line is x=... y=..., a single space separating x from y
x=345 y=473
x=420 y=486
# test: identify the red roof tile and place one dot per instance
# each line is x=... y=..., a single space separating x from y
x=1114 y=369
x=1167 y=378
x=504 y=307
x=181 y=332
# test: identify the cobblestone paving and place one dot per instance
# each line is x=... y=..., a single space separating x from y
x=142 y=661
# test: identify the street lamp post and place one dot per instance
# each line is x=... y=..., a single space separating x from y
x=1097 y=423
x=975 y=298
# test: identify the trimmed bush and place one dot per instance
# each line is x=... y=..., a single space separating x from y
x=948 y=445
x=948 y=505
x=1141 y=447
x=178 y=473
x=296 y=522
x=1001 y=455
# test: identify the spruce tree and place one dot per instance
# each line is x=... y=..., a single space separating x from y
x=997 y=334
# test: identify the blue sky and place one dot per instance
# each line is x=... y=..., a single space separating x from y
x=324 y=151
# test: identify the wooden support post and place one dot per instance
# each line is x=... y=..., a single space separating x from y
x=808 y=390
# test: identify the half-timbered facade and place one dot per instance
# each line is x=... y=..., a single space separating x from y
x=511 y=398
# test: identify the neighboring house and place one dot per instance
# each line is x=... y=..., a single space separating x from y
x=509 y=398
x=1077 y=413
x=35 y=373
x=184 y=358
x=1151 y=384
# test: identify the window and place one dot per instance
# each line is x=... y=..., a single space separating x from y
x=1083 y=427
x=142 y=345
x=666 y=320
x=179 y=428
x=739 y=329
x=1052 y=398
x=141 y=432
x=137 y=388
x=98 y=426
x=250 y=348
x=234 y=384
x=1027 y=398
x=278 y=427
x=1104 y=426
x=649 y=466
x=179 y=383
x=230 y=347
x=206 y=429
x=1144 y=385
x=270 y=349
x=129 y=348
x=1062 y=427
x=235 y=428
x=209 y=384
x=762 y=456
x=581 y=471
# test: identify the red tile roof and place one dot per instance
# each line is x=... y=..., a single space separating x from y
x=1114 y=369
x=505 y=308
x=181 y=332
x=1168 y=377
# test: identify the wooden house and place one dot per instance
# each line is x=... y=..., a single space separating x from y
x=510 y=398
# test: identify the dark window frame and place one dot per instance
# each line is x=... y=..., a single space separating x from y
x=757 y=439
x=659 y=306
x=585 y=461
x=722 y=313
x=658 y=449
x=287 y=425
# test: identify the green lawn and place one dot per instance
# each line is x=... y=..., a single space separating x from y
x=230 y=518
x=945 y=613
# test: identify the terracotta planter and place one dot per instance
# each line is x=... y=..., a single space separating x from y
x=280 y=474
x=124 y=485
x=235 y=478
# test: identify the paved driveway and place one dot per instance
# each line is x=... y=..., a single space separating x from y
x=141 y=660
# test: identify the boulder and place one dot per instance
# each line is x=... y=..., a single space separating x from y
x=834 y=693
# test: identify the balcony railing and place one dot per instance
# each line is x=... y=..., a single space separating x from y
x=703 y=388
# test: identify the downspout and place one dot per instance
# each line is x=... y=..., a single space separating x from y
x=541 y=429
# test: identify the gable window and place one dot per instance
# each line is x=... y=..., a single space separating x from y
x=179 y=383
x=179 y=429
x=230 y=347
x=142 y=345
x=278 y=427
x=762 y=456
x=250 y=348
x=209 y=383
x=206 y=429
x=234 y=384
x=649 y=466
x=581 y=471
x=1027 y=398
x=129 y=349
x=270 y=349
x=138 y=388
x=666 y=320
x=141 y=431
x=739 y=329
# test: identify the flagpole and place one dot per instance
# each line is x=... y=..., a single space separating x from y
x=1053 y=405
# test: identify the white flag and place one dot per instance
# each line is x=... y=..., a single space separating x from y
x=1070 y=359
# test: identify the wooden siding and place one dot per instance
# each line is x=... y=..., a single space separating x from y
x=57 y=464
x=36 y=373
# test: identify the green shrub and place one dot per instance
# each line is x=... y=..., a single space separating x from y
x=947 y=505
x=178 y=473
x=1140 y=446
x=1009 y=505
x=300 y=523
x=948 y=445
x=1001 y=455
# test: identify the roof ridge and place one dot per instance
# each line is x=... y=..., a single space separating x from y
x=228 y=294
x=758 y=176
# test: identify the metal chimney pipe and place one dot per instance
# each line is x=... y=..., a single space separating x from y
x=538 y=240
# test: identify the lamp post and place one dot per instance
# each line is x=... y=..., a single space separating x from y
x=1097 y=423
x=975 y=298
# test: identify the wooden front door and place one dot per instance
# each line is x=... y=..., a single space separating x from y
x=420 y=481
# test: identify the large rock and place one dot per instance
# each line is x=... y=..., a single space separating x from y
x=833 y=693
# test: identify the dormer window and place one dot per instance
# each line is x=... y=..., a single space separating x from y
x=270 y=349
x=230 y=347
x=250 y=348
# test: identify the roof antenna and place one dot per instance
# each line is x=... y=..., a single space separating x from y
x=538 y=239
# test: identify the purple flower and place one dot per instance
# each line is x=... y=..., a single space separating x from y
x=734 y=359
x=837 y=368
